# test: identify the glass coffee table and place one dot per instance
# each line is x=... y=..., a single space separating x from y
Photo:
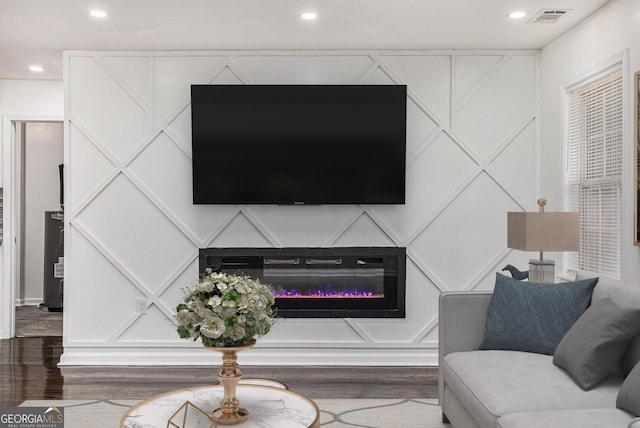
x=269 y=404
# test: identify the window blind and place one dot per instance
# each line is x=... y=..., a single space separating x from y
x=594 y=170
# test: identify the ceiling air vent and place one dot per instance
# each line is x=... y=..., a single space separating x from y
x=548 y=16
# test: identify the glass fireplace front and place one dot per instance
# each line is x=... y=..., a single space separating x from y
x=341 y=282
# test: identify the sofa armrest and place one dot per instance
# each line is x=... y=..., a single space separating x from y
x=462 y=316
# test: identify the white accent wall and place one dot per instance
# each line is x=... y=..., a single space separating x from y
x=132 y=231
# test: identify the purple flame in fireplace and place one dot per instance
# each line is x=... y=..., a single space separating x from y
x=325 y=292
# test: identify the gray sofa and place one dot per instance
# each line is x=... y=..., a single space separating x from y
x=513 y=389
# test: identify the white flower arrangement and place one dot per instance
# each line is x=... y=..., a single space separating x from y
x=226 y=310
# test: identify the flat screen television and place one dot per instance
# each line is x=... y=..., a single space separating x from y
x=298 y=144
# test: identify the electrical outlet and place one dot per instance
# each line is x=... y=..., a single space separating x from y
x=141 y=305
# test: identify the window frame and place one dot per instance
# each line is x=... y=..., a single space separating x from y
x=615 y=64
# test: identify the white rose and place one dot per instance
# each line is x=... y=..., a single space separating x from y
x=183 y=317
x=206 y=285
x=213 y=328
x=237 y=333
x=229 y=303
x=214 y=301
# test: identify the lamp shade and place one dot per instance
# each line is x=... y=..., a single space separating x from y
x=542 y=231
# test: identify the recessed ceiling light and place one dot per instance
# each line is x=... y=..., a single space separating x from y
x=98 y=13
x=309 y=16
x=36 y=68
x=517 y=14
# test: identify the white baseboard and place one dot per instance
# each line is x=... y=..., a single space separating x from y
x=111 y=356
x=31 y=301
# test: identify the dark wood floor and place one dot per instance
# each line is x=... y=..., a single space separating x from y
x=29 y=371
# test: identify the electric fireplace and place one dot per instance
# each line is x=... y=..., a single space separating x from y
x=338 y=282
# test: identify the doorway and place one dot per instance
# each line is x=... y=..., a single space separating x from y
x=38 y=225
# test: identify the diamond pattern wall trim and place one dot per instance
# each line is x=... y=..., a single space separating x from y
x=133 y=233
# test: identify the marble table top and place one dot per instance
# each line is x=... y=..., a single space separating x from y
x=268 y=406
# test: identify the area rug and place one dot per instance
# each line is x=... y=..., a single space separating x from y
x=334 y=413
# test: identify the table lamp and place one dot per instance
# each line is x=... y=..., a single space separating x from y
x=542 y=231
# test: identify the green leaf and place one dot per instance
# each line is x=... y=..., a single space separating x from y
x=231 y=322
x=231 y=295
x=207 y=341
x=183 y=332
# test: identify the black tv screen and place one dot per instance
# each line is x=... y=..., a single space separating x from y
x=298 y=144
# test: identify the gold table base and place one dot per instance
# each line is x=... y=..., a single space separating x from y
x=239 y=414
x=229 y=375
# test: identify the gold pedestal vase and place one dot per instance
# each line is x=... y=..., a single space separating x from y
x=229 y=375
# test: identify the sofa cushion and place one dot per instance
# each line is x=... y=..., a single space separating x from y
x=629 y=394
x=574 y=418
x=495 y=383
x=533 y=317
x=624 y=294
x=595 y=343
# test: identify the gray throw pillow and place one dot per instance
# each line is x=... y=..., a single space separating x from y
x=596 y=341
x=629 y=393
x=533 y=317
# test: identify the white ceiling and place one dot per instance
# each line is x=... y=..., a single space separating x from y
x=37 y=31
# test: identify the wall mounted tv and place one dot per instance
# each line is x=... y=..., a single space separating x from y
x=298 y=144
